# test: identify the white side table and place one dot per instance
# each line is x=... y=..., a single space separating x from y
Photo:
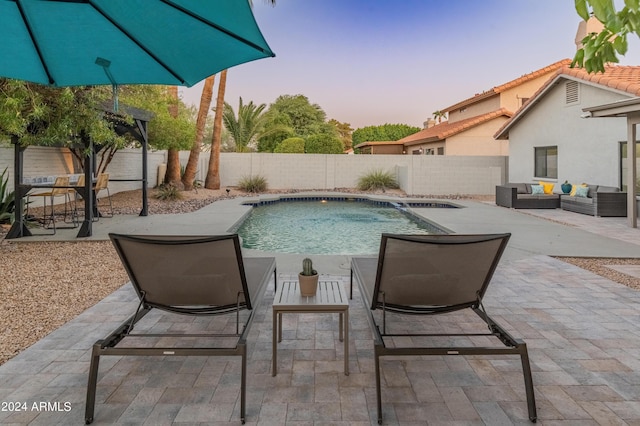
x=330 y=298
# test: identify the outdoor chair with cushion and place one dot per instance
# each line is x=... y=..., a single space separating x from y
x=102 y=184
x=432 y=275
x=191 y=275
x=60 y=188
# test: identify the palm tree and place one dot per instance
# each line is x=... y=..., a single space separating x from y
x=212 y=180
x=213 y=174
x=439 y=116
x=205 y=103
x=247 y=127
x=172 y=175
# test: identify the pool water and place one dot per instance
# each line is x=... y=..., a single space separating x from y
x=326 y=227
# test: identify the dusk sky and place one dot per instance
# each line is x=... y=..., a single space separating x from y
x=374 y=62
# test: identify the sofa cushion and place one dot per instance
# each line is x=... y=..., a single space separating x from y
x=592 y=190
x=582 y=192
x=608 y=189
x=574 y=188
x=537 y=189
x=520 y=188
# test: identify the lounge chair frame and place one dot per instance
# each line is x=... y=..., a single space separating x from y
x=362 y=272
x=265 y=267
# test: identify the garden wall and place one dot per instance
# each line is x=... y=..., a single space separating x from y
x=416 y=174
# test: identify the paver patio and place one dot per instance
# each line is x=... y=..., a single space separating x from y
x=582 y=330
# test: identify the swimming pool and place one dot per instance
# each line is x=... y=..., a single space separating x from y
x=344 y=226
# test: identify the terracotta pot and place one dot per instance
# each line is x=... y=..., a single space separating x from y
x=308 y=284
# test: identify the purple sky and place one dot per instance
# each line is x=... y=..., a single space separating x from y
x=370 y=62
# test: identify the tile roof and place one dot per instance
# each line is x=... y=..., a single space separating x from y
x=444 y=130
x=615 y=77
x=513 y=83
x=372 y=143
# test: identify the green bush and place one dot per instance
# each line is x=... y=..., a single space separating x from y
x=168 y=192
x=7 y=199
x=253 y=184
x=377 y=180
x=290 y=146
x=323 y=144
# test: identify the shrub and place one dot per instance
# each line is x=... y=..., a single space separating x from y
x=253 y=184
x=377 y=180
x=323 y=144
x=168 y=192
x=7 y=199
x=290 y=146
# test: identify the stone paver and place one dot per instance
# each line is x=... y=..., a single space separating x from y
x=582 y=330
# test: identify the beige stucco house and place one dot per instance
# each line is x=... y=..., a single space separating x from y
x=473 y=122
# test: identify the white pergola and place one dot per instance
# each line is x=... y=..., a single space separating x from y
x=629 y=108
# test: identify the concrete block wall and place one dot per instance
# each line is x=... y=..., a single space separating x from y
x=46 y=161
x=416 y=174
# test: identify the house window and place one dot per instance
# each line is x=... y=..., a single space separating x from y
x=441 y=150
x=624 y=170
x=546 y=162
x=572 y=92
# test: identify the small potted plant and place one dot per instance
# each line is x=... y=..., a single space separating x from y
x=566 y=187
x=308 y=278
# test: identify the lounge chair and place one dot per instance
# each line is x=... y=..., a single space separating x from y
x=428 y=275
x=193 y=275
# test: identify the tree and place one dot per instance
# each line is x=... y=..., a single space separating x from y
x=344 y=133
x=303 y=116
x=212 y=181
x=385 y=132
x=203 y=111
x=323 y=144
x=42 y=115
x=290 y=146
x=439 y=116
x=604 y=47
x=172 y=175
x=279 y=128
x=247 y=127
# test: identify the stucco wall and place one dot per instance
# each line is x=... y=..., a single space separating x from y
x=588 y=149
x=482 y=107
x=479 y=140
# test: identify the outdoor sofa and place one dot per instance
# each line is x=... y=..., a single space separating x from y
x=600 y=200
x=519 y=196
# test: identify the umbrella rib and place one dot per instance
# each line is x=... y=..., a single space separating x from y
x=35 y=43
x=133 y=39
x=219 y=28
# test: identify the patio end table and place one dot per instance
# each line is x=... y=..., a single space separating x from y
x=330 y=298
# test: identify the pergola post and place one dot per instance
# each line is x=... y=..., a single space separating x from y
x=632 y=206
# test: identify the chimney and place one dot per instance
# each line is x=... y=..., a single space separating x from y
x=587 y=27
x=429 y=123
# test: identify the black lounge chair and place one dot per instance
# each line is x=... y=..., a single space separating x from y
x=193 y=275
x=434 y=274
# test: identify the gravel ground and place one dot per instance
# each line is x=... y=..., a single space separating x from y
x=44 y=285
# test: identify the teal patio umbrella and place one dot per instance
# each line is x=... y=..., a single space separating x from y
x=91 y=42
x=113 y=42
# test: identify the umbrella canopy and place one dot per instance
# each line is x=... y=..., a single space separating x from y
x=90 y=42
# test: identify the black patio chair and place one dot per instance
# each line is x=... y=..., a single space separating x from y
x=192 y=275
x=430 y=275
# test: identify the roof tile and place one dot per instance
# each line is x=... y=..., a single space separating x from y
x=445 y=130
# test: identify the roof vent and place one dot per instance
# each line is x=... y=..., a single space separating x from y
x=571 y=92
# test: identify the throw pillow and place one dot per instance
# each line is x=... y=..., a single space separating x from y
x=537 y=190
x=575 y=188
x=582 y=191
x=547 y=187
